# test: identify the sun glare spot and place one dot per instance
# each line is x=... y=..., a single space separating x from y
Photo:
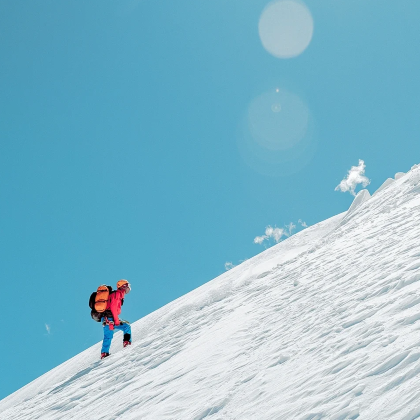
x=277 y=135
x=286 y=28
x=284 y=126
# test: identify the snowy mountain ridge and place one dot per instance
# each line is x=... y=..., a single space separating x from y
x=323 y=325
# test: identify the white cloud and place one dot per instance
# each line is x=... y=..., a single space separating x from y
x=270 y=232
x=302 y=223
x=290 y=227
x=228 y=266
x=277 y=234
x=260 y=239
x=48 y=328
x=355 y=177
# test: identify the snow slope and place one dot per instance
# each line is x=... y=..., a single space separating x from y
x=322 y=326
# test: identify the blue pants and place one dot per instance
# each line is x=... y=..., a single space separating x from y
x=108 y=334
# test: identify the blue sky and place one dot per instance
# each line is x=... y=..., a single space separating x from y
x=121 y=128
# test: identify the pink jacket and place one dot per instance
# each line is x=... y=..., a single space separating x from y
x=114 y=304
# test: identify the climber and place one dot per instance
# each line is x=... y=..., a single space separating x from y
x=110 y=319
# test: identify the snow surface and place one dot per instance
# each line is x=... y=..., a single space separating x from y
x=324 y=325
x=360 y=198
x=386 y=184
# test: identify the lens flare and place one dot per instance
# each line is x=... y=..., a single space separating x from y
x=286 y=28
x=278 y=120
x=277 y=133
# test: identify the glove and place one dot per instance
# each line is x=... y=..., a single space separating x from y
x=111 y=326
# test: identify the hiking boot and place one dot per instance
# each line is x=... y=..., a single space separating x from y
x=103 y=355
x=126 y=343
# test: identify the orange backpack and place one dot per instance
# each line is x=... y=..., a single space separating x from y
x=101 y=298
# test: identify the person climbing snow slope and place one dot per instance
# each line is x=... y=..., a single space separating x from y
x=110 y=319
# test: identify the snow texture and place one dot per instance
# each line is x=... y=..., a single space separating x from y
x=324 y=325
x=361 y=197
x=386 y=184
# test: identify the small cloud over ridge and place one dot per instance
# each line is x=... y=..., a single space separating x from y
x=355 y=176
x=276 y=234
x=229 y=265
